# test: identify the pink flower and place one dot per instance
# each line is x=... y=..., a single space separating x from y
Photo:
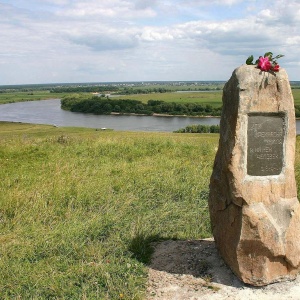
x=264 y=64
x=275 y=68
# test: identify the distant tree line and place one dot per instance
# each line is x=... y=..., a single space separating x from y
x=119 y=90
x=101 y=89
x=131 y=91
x=148 y=90
x=84 y=89
x=199 y=129
x=101 y=105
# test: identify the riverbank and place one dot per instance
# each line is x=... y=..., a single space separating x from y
x=161 y=115
x=49 y=112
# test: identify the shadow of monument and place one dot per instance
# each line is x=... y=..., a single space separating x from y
x=198 y=258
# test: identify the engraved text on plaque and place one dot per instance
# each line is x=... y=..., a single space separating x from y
x=265 y=144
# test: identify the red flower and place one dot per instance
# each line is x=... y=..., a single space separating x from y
x=275 y=68
x=264 y=64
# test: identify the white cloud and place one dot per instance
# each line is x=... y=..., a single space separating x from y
x=204 y=3
x=292 y=41
x=109 y=9
x=151 y=35
x=141 y=39
x=144 y=4
x=103 y=41
x=58 y=2
x=285 y=12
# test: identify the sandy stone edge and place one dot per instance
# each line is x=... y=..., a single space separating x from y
x=182 y=270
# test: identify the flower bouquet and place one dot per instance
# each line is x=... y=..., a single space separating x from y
x=265 y=63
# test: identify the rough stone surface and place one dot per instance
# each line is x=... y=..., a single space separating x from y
x=256 y=219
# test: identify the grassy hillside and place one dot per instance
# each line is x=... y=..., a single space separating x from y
x=79 y=207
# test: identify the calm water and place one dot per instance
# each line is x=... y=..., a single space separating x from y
x=49 y=112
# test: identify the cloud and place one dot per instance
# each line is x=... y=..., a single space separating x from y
x=211 y=2
x=144 y=4
x=152 y=35
x=104 y=41
x=287 y=13
x=109 y=9
x=229 y=36
x=64 y=40
x=57 y=2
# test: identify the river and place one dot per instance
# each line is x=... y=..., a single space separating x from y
x=49 y=112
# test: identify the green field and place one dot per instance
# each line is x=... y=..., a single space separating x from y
x=11 y=97
x=79 y=207
x=205 y=98
x=213 y=98
x=296 y=94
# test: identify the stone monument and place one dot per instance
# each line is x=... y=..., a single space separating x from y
x=254 y=210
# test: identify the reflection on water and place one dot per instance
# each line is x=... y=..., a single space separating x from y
x=49 y=112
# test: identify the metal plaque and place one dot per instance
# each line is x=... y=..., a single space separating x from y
x=266 y=134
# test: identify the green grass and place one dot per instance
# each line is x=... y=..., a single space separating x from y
x=296 y=94
x=211 y=98
x=79 y=207
x=175 y=86
x=11 y=97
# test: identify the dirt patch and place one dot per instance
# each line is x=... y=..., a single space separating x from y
x=182 y=270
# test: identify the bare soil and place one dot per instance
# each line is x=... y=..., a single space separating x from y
x=192 y=270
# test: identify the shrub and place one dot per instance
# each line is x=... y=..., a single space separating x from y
x=199 y=129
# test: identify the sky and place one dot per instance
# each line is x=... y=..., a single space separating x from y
x=56 y=41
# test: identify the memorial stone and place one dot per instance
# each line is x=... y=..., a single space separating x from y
x=254 y=210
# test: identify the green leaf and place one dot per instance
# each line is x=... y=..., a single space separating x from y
x=278 y=56
x=249 y=60
x=269 y=54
